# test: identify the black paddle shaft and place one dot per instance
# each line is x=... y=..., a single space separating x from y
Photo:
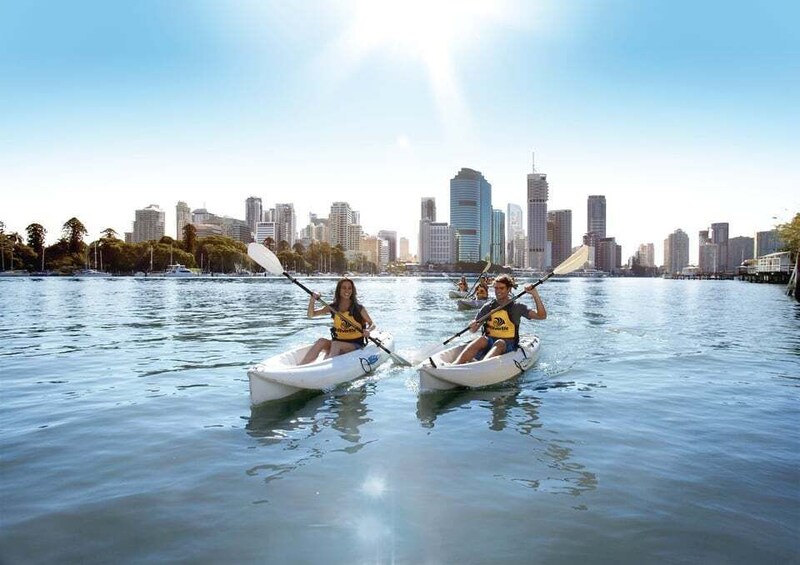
x=488 y=315
x=342 y=318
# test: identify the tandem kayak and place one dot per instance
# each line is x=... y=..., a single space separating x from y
x=474 y=304
x=441 y=374
x=281 y=376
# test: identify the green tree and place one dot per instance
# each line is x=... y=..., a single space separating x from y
x=269 y=243
x=790 y=234
x=74 y=231
x=36 y=233
x=109 y=234
x=189 y=238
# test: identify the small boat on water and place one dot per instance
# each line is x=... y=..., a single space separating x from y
x=281 y=376
x=457 y=294
x=86 y=273
x=471 y=304
x=177 y=270
x=439 y=373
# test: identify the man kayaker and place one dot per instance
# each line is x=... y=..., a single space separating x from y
x=501 y=330
x=351 y=323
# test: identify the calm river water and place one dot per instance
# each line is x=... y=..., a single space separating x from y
x=659 y=426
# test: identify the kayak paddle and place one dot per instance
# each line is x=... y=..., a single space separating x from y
x=483 y=272
x=271 y=263
x=573 y=262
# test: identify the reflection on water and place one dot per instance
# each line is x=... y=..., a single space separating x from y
x=513 y=408
x=292 y=425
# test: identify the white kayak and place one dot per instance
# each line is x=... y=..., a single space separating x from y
x=457 y=294
x=281 y=376
x=473 y=304
x=443 y=375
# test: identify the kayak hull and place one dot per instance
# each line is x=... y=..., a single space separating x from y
x=280 y=376
x=442 y=375
x=457 y=294
x=465 y=304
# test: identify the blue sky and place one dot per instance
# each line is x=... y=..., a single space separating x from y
x=681 y=113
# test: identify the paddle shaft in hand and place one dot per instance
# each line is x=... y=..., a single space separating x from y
x=270 y=262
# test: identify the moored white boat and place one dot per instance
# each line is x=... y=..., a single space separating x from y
x=84 y=273
x=442 y=374
x=178 y=271
x=281 y=376
x=471 y=304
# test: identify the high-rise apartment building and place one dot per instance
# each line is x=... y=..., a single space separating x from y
x=646 y=255
x=471 y=214
x=562 y=235
x=596 y=215
x=391 y=239
x=498 y=245
x=183 y=217
x=253 y=212
x=148 y=224
x=286 y=223
x=537 y=219
x=719 y=236
x=339 y=220
x=265 y=230
x=676 y=252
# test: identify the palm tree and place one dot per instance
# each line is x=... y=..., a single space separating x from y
x=73 y=231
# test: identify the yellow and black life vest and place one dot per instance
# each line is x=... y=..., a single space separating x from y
x=347 y=332
x=500 y=326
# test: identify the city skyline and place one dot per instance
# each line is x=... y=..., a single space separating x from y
x=111 y=108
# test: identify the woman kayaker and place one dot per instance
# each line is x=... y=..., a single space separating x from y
x=351 y=323
x=481 y=293
x=462 y=285
x=501 y=330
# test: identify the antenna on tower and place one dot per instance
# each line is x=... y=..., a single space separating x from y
x=533 y=160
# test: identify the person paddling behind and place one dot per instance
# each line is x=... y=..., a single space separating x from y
x=501 y=330
x=462 y=285
x=346 y=336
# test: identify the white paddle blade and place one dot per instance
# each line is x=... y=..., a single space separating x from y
x=265 y=258
x=573 y=262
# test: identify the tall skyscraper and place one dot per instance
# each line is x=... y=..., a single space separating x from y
x=608 y=255
x=286 y=223
x=253 y=212
x=471 y=214
x=676 y=252
x=428 y=209
x=514 y=226
x=183 y=216
x=498 y=245
x=596 y=215
x=404 y=254
x=340 y=217
x=391 y=238
x=562 y=235
x=719 y=235
x=437 y=243
x=538 y=191
x=149 y=224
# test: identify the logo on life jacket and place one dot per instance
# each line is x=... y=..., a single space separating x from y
x=500 y=326
x=342 y=330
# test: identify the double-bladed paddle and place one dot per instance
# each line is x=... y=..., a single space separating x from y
x=483 y=272
x=271 y=263
x=573 y=262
